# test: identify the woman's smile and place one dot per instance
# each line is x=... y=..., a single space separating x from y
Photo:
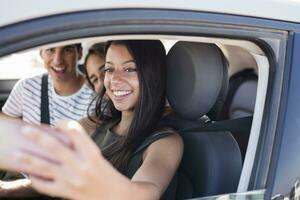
x=121 y=93
x=120 y=96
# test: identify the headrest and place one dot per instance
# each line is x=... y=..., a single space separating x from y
x=196 y=79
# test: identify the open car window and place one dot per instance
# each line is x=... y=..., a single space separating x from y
x=252 y=54
x=21 y=65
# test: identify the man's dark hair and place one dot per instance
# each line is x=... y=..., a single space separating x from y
x=78 y=46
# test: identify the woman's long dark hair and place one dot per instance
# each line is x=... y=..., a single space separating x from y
x=150 y=59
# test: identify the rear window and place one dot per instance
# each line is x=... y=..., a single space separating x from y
x=19 y=65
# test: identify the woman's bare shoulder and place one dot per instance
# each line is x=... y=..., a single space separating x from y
x=171 y=143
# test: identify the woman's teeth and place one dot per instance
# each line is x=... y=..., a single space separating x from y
x=119 y=93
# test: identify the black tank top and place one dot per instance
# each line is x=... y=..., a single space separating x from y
x=103 y=137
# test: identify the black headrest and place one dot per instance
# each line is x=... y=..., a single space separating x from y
x=196 y=79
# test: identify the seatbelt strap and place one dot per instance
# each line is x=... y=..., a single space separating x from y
x=242 y=124
x=153 y=138
x=45 y=118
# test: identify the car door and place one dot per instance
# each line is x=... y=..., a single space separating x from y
x=268 y=41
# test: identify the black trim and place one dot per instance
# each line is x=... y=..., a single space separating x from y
x=130 y=21
x=45 y=116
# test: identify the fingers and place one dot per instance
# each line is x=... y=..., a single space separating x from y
x=35 y=165
x=79 y=138
x=59 y=188
x=56 y=151
x=50 y=188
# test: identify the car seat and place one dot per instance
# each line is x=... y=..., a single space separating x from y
x=196 y=80
x=240 y=102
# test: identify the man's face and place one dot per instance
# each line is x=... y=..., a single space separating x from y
x=61 y=62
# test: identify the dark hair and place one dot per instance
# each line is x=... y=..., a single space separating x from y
x=78 y=46
x=150 y=59
x=97 y=49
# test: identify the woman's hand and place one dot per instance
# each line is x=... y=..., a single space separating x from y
x=76 y=172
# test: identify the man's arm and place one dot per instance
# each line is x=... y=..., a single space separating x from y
x=5 y=116
x=17 y=189
x=14 y=104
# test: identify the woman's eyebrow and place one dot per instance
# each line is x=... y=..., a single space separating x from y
x=108 y=62
x=128 y=61
x=92 y=76
x=101 y=67
x=125 y=62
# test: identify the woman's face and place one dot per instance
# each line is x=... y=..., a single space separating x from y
x=121 y=78
x=94 y=68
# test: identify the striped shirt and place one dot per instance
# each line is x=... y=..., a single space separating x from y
x=25 y=102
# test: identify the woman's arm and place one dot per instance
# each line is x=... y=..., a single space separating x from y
x=81 y=172
x=161 y=160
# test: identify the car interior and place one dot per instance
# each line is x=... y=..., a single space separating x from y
x=211 y=84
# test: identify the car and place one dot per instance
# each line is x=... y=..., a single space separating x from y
x=260 y=35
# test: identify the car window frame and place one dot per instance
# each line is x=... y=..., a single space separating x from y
x=269 y=35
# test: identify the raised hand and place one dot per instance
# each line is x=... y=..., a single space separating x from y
x=76 y=171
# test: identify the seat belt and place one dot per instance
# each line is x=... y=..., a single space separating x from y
x=45 y=118
x=153 y=138
x=242 y=124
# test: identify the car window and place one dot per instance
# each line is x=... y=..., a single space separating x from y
x=19 y=65
x=28 y=63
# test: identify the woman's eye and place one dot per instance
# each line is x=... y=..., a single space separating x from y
x=94 y=80
x=130 y=70
x=108 y=70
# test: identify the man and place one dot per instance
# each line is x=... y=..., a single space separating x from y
x=68 y=98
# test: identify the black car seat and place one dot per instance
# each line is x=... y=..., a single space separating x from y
x=241 y=95
x=196 y=80
x=240 y=102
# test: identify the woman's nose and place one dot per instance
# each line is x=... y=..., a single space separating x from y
x=117 y=75
x=98 y=86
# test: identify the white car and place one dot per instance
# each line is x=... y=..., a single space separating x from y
x=251 y=150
